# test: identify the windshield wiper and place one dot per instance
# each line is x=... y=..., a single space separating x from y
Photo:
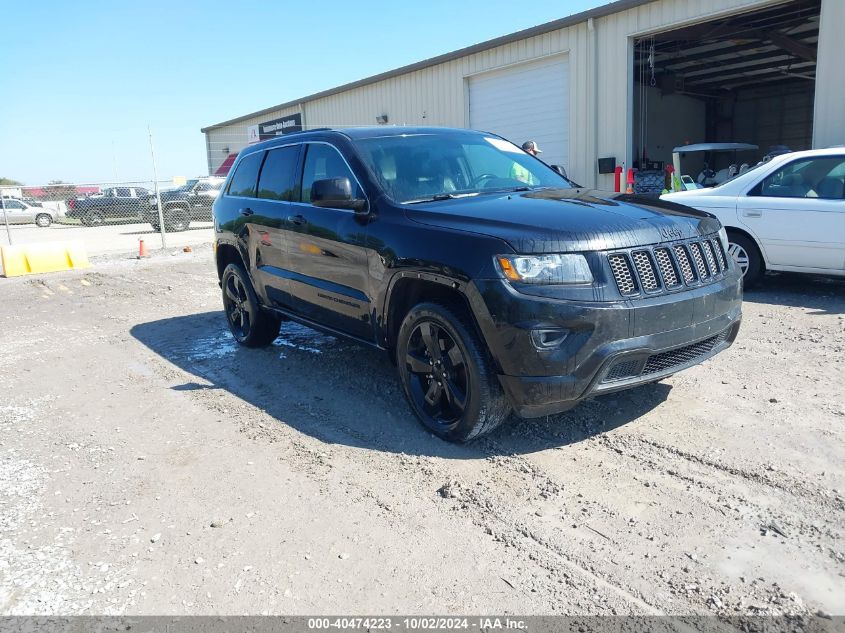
x=441 y=196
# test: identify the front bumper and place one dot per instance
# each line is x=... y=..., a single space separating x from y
x=608 y=346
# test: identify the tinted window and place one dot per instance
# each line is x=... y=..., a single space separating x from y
x=324 y=161
x=806 y=178
x=243 y=182
x=123 y=192
x=12 y=204
x=278 y=175
x=418 y=167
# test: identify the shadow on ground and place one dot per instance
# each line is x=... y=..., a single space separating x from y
x=819 y=294
x=340 y=392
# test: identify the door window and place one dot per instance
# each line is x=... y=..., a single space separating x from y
x=278 y=175
x=246 y=175
x=324 y=161
x=123 y=192
x=806 y=178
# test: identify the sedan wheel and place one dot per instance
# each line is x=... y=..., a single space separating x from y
x=740 y=257
x=43 y=220
x=746 y=256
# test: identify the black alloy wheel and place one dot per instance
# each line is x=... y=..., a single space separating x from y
x=447 y=374
x=250 y=324
x=438 y=374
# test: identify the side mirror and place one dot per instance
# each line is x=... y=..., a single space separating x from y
x=337 y=194
x=559 y=169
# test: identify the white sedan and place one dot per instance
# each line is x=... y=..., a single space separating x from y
x=787 y=214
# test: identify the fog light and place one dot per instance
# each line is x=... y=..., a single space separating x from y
x=547 y=338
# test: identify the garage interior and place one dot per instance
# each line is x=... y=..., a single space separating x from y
x=746 y=78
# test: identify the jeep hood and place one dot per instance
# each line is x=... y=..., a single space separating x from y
x=561 y=220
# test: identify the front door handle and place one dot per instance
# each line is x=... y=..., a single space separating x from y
x=298 y=220
x=247 y=211
x=752 y=213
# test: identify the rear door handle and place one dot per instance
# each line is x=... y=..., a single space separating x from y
x=298 y=220
x=752 y=213
x=247 y=211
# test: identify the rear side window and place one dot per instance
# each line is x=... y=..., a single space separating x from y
x=278 y=177
x=246 y=174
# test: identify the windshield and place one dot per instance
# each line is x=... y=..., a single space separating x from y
x=415 y=168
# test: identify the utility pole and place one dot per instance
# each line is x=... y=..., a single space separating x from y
x=158 y=195
x=5 y=217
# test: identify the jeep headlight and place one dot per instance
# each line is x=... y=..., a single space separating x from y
x=570 y=268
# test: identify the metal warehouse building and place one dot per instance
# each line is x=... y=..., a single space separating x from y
x=627 y=81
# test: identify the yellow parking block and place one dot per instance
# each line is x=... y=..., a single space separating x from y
x=26 y=259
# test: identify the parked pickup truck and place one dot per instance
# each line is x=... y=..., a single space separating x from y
x=114 y=204
x=190 y=202
x=491 y=292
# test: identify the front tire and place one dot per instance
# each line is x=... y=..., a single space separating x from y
x=446 y=374
x=747 y=257
x=43 y=220
x=250 y=324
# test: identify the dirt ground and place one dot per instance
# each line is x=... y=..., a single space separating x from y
x=149 y=465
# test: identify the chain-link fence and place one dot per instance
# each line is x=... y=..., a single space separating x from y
x=110 y=216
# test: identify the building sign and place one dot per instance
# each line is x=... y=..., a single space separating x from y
x=277 y=127
x=252 y=135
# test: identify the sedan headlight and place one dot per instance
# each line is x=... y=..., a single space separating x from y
x=570 y=268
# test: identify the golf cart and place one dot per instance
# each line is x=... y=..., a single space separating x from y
x=709 y=177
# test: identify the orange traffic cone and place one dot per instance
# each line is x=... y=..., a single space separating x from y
x=142 y=249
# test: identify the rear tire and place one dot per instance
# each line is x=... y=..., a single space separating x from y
x=95 y=217
x=176 y=220
x=447 y=375
x=747 y=258
x=43 y=220
x=250 y=324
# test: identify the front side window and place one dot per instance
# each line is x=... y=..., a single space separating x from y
x=278 y=175
x=123 y=192
x=418 y=167
x=806 y=178
x=246 y=175
x=322 y=162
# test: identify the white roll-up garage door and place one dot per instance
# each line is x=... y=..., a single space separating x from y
x=525 y=102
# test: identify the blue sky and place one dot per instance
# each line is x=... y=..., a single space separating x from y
x=84 y=79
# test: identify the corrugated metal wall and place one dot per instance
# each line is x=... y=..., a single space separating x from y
x=829 y=114
x=600 y=115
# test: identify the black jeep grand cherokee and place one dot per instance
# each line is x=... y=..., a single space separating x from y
x=493 y=282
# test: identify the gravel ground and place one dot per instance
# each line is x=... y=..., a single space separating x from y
x=149 y=465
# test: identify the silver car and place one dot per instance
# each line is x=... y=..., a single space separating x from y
x=19 y=212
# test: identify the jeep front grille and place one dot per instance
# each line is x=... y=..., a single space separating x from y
x=667 y=267
x=651 y=270
x=698 y=257
x=623 y=274
x=686 y=265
